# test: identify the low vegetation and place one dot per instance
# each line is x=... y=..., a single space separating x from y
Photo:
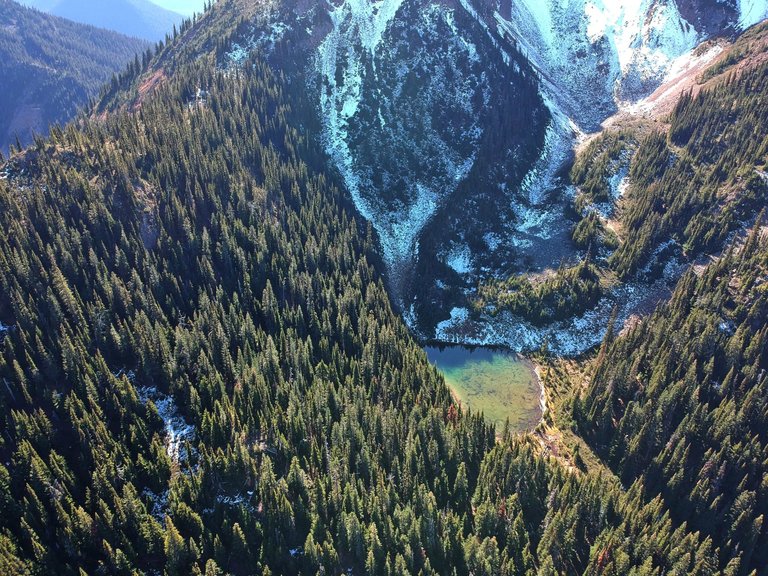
x=566 y=292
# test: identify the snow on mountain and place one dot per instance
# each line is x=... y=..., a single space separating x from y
x=450 y=123
x=568 y=337
x=751 y=12
x=177 y=431
x=385 y=88
x=399 y=101
x=597 y=54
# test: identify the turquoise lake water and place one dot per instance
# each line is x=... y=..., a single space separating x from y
x=498 y=383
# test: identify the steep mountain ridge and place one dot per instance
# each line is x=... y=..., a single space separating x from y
x=456 y=150
x=138 y=18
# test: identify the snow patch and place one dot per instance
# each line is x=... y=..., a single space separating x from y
x=238 y=54
x=662 y=37
x=369 y=17
x=558 y=149
x=177 y=431
x=594 y=54
x=691 y=60
x=264 y=39
x=542 y=16
x=493 y=241
x=622 y=187
x=458 y=316
x=158 y=503
x=472 y=12
x=352 y=61
x=751 y=12
x=674 y=81
x=619 y=182
x=236 y=500
x=569 y=337
x=460 y=259
x=727 y=328
x=538 y=216
x=536 y=221
x=364 y=23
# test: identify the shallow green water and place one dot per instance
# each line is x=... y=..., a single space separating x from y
x=500 y=384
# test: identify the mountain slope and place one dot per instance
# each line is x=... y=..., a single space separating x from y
x=671 y=400
x=593 y=60
x=137 y=18
x=441 y=137
x=690 y=174
x=680 y=402
x=51 y=67
x=597 y=55
x=457 y=152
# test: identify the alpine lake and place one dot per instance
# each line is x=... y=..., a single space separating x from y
x=499 y=383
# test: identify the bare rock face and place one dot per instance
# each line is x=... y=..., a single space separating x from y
x=450 y=122
x=597 y=54
x=413 y=96
x=432 y=120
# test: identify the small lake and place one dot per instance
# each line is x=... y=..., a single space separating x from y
x=498 y=383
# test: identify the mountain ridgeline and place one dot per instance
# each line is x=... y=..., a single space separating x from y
x=203 y=371
x=51 y=67
x=136 y=18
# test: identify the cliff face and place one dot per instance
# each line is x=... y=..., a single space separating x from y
x=450 y=122
x=414 y=97
x=597 y=54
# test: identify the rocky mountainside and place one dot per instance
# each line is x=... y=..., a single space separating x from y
x=596 y=55
x=428 y=122
x=452 y=123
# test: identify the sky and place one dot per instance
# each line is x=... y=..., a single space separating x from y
x=186 y=7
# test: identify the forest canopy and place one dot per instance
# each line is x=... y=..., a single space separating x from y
x=202 y=372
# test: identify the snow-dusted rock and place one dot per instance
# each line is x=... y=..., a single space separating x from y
x=401 y=89
x=595 y=54
x=177 y=431
x=407 y=93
